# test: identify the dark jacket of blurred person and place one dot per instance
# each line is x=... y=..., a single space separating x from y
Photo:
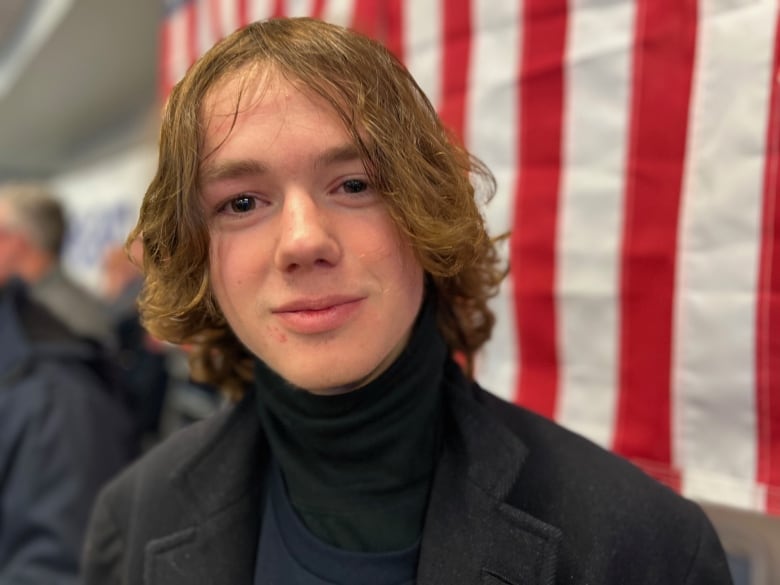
x=63 y=432
x=141 y=358
x=32 y=234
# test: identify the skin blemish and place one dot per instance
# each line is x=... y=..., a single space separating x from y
x=277 y=334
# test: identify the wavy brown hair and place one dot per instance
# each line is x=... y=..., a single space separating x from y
x=426 y=178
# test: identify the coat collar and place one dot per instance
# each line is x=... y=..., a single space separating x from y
x=220 y=487
x=471 y=534
x=29 y=333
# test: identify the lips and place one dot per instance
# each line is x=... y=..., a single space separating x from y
x=317 y=315
x=315 y=304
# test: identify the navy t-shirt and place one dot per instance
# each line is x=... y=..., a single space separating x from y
x=289 y=554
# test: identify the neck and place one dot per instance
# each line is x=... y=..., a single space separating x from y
x=363 y=459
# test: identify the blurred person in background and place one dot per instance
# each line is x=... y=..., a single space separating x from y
x=32 y=234
x=161 y=391
x=142 y=359
x=64 y=431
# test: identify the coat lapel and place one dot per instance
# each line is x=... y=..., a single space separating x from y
x=221 y=487
x=471 y=534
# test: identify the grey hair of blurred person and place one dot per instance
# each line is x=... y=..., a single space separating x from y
x=36 y=213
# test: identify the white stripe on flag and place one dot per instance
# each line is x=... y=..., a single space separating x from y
x=204 y=26
x=259 y=9
x=339 y=12
x=596 y=112
x=422 y=34
x=228 y=14
x=715 y=354
x=299 y=7
x=490 y=132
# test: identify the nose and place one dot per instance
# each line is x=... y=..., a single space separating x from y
x=306 y=239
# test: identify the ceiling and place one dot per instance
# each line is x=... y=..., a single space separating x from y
x=74 y=74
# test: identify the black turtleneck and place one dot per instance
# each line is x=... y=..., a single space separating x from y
x=358 y=466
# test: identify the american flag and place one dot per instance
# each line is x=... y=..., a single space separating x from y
x=636 y=145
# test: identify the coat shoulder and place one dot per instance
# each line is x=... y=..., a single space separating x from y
x=615 y=519
x=560 y=457
x=144 y=502
x=150 y=477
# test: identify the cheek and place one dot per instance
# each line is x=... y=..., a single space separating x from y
x=230 y=263
x=222 y=274
x=379 y=241
x=412 y=275
x=402 y=263
x=276 y=334
x=215 y=268
x=406 y=274
x=403 y=281
x=10 y=248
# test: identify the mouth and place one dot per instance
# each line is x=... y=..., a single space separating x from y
x=318 y=315
x=314 y=304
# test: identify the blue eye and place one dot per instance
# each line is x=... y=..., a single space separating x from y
x=355 y=186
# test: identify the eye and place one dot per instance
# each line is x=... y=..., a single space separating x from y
x=354 y=186
x=241 y=204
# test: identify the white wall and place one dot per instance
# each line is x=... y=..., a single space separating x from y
x=102 y=200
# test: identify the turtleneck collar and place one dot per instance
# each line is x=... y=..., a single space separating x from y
x=358 y=465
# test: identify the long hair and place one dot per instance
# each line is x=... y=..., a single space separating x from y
x=426 y=178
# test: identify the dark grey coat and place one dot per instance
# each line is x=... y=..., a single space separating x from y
x=63 y=434
x=516 y=500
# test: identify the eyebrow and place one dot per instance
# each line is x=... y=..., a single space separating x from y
x=230 y=169
x=337 y=154
x=237 y=168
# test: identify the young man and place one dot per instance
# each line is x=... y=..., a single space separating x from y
x=313 y=230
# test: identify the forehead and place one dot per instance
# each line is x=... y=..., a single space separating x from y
x=247 y=109
x=252 y=93
x=238 y=89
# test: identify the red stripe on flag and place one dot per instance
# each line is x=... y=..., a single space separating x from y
x=663 y=63
x=178 y=45
x=215 y=16
x=193 y=47
x=456 y=61
x=768 y=313
x=242 y=12
x=164 y=71
x=279 y=10
x=534 y=234
x=393 y=34
x=365 y=18
x=318 y=10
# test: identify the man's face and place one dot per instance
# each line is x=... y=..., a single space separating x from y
x=305 y=262
x=11 y=243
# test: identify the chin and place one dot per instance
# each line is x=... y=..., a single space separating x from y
x=327 y=387
x=335 y=383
